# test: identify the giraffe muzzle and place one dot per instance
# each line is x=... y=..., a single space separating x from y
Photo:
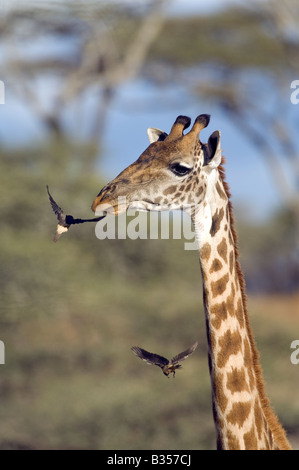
x=103 y=206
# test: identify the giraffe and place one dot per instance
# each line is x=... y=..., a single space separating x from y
x=178 y=171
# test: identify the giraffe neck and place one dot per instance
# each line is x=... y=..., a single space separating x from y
x=242 y=414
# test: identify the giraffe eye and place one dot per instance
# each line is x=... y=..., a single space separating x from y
x=180 y=169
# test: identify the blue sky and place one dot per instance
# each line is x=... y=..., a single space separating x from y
x=175 y=7
x=191 y=7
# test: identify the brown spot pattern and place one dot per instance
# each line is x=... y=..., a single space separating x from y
x=216 y=221
x=205 y=252
x=220 y=397
x=248 y=363
x=239 y=413
x=230 y=301
x=230 y=343
x=222 y=249
x=216 y=266
x=219 y=286
x=250 y=440
x=236 y=380
x=220 y=191
x=169 y=190
x=232 y=441
x=199 y=191
x=219 y=310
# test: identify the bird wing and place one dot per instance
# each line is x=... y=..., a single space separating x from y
x=56 y=209
x=183 y=355
x=150 y=358
x=61 y=217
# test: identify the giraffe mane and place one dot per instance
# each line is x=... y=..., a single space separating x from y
x=274 y=425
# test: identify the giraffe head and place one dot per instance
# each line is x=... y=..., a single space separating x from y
x=172 y=173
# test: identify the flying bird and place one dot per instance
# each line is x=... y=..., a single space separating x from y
x=66 y=220
x=167 y=366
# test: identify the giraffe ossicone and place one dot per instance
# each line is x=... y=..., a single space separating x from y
x=179 y=171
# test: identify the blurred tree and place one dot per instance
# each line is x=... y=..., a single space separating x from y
x=268 y=254
x=57 y=56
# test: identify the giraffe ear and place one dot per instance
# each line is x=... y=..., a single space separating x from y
x=213 y=150
x=155 y=134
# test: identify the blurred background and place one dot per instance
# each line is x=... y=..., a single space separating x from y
x=83 y=81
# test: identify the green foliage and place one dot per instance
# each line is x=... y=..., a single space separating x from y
x=269 y=253
x=233 y=38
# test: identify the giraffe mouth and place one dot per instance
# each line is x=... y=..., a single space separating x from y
x=148 y=201
x=104 y=210
x=109 y=208
x=120 y=207
x=146 y=205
